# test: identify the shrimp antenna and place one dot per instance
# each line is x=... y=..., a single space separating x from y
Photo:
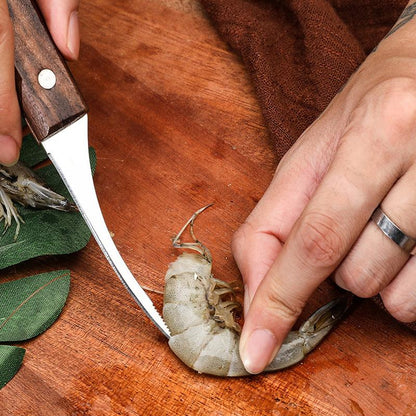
x=196 y=245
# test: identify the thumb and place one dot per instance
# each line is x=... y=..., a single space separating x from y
x=61 y=16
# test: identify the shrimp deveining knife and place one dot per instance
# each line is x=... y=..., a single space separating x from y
x=57 y=115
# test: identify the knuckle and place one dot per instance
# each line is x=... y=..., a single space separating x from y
x=391 y=107
x=361 y=280
x=285 y=308
x=319 y=241
x=396 y=107
x=240 y=237
x=401 y=306
x=399 y=104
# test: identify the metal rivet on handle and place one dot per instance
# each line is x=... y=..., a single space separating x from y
x=47 y=79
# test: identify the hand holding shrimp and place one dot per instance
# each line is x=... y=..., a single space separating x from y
x=314 y=219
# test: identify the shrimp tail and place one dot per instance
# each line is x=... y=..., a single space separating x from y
x=300 y=343
x=322 y=321
x=20 y=184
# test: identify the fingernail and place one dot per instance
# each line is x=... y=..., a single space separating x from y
x=72 y=39
x=9 y=150
x=258 y=350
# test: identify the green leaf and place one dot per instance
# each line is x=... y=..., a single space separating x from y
x=45 y=232
x=29 y=306
x=10 y=361
x=32 y=153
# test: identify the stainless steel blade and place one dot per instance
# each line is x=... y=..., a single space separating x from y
x=68 y=151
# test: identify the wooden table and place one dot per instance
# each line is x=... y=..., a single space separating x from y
x=176 y=125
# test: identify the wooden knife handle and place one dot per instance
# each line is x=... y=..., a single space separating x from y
x=48 y=109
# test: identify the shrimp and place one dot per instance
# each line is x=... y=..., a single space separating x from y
x=20 y=184
x=199 y=311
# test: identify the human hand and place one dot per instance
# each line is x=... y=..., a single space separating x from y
x=62 y=20
x=314 y=218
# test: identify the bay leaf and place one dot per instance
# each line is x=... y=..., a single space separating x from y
x=30 y=305
x=44 y=232
x=32 y=153
x=10 y=361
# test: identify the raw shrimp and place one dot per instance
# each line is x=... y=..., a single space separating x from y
x=198 y=310
x=20 y=184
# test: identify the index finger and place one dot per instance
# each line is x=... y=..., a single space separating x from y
x=331 y=222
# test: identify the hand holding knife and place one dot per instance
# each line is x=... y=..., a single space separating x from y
x=57 y=115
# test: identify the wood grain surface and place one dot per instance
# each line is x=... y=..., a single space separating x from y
x=176 y=125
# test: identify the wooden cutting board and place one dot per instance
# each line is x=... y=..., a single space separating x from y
x=176 y=125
